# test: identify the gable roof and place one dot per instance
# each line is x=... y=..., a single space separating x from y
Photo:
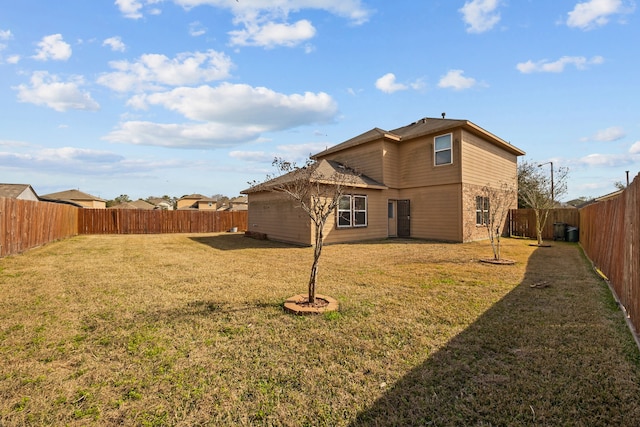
x=72 y=195
x=420 y=128
x=12 y=191
x=194 y=196
x=323 y=172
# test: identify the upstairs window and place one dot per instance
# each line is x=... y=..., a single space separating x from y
x=482 y=210
x=443 y=150
x=352 y=211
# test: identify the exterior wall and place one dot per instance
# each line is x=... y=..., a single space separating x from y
x=207 y=205
x=366 y=159
x=28 y=194
x=93 y=204
x=484 y=163
x=185 y=203
x=417 y=166
x=436 y=212
x=376 y=220
x=279 y=218
x=471 y=231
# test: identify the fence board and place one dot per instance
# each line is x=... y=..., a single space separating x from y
x=522 y=222
x=610 y=236
x=26 y=224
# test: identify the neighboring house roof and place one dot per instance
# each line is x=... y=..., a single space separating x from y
x=325 y=171
x=420 y=128
x=141 y=204
x=123 y=205
x=72 y=195
x=17 y=191
x=193 y=196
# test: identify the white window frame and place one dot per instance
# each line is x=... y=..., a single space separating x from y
x=442 y=150
x=482 y=210
x=353 y=213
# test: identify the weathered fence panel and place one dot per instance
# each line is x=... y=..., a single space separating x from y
x=610 y=236
x=138 y=221
x=522 y=222
x=26 y=224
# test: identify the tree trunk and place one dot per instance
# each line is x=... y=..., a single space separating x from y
x=317 y=250
x=538 y=226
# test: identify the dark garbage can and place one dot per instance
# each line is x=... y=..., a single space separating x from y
x=559 y=230
x=573 y=234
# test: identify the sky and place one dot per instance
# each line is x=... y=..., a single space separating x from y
x=175 y=97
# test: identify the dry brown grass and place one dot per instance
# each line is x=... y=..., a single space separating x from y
x=189 y=330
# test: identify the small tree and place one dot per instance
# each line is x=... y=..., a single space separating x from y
x=539 y=191
x=317 y=188
x=494 y=205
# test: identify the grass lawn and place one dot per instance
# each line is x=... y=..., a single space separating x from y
x=154 y=330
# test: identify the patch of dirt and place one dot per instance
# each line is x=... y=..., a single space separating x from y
x=501 y=261
x=318 y=303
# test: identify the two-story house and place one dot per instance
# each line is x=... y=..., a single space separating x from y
x=423 y=180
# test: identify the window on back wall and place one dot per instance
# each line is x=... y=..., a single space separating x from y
x=352 y=211
x=482 y=210
x=443 y=153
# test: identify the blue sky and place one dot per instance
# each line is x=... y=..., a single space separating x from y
x=173 y=97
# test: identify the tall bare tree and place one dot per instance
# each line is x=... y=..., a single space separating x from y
x=494 y=205
x=539 y=191
x=316 y=188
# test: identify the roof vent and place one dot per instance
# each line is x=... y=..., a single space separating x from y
x=444 y=114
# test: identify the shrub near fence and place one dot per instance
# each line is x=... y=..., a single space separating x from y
x=610 y=236
x=26 y=224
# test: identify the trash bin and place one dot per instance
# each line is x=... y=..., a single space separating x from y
x=573 y=234
x=559 y=230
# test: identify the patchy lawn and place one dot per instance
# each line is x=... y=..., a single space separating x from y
x=187 y=330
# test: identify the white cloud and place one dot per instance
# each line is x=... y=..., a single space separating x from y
x=272 y=34
x=454 y=79
x=596 y=13
x=115 y=43
x=48 y=90
x=130 y=8
x=606 y=160
x=297 y=153
x=544 y=66
x=353 y=10
x=241 y=104
x=155 y=71
x=607 y=135
x=13 y=59
x=5 y=35
x=196 y=29
x=480 y=15
x=388 y=84
x=635 y=148
x=53 y=47
x=226 y=115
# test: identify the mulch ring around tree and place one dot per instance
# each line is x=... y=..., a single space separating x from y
x=299 y=304
x=500 y=261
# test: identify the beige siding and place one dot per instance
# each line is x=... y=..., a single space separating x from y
x=367 y=159
x=416 y=163
x=484 y=163
x=279 y=218
x=390 y=161
x=436 y=212
x=376 y=220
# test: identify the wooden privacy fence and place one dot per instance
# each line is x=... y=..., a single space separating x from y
x=26 y=224
x=522 y=222
x=138 y=221
x=610 y=236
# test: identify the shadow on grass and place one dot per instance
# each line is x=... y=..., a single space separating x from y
x=237 y=241
x=543 y=355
